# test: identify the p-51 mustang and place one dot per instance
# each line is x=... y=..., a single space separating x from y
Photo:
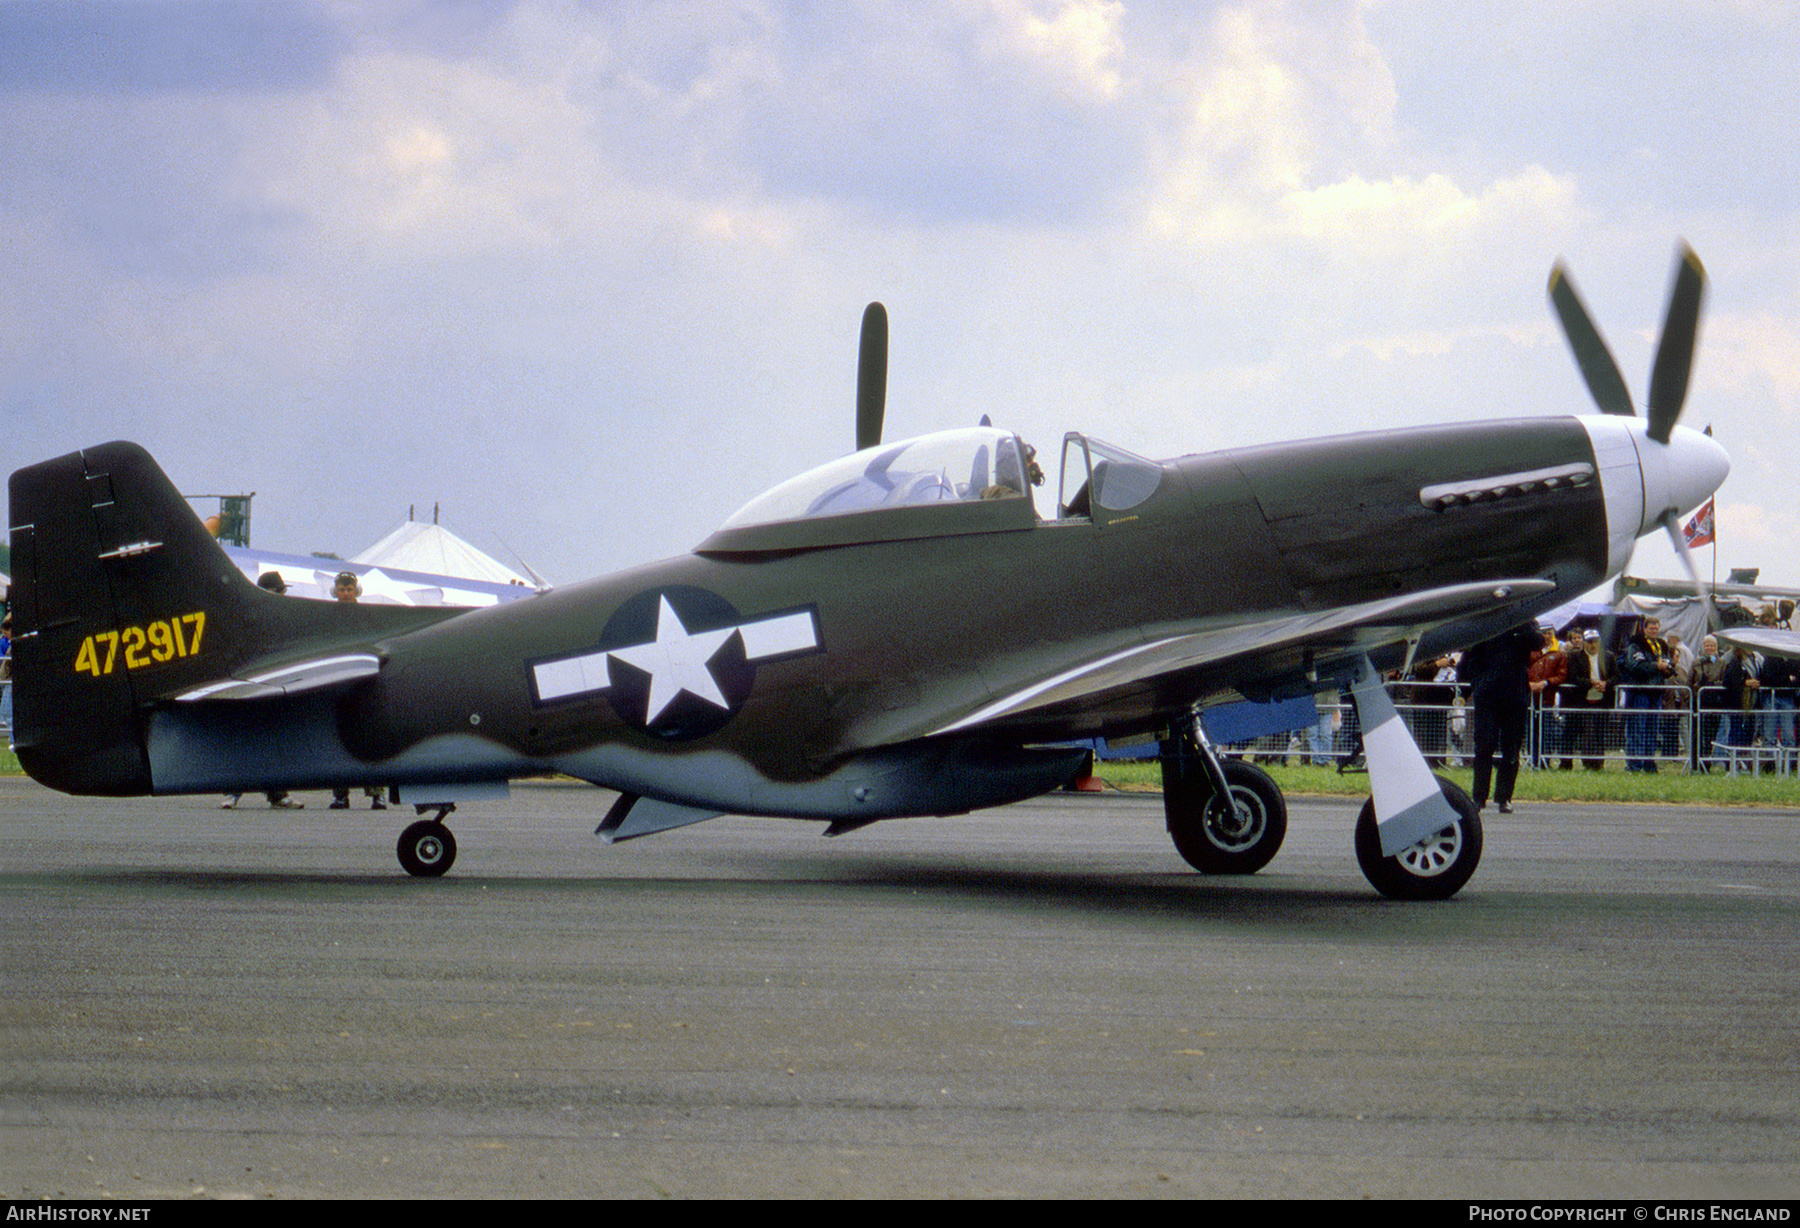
x=896 y=633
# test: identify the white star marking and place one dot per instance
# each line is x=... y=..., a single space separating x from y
x=676 y=662
x=772 y=636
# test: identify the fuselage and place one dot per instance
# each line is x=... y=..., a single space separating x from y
x=885 y=642
x=892 y=641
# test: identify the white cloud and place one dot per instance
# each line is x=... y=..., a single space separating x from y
x=1753 y=535
x=412 y=157
x=1403 y=213
x=1266 y=154
x=1756 y=356
x=1076 y=41
x=1440 y=342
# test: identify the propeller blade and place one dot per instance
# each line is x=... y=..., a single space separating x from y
x=1672 y=523
x=871 y=376
x=1675 y=352
x=1596 y=361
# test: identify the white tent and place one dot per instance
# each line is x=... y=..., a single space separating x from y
x=431 y=548
x=416 y=564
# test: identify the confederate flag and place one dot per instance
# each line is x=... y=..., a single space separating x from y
x=1699 y=530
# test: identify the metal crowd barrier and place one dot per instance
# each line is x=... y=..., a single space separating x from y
x=1437 y=713
x=1756 y=737
x=1672 y=728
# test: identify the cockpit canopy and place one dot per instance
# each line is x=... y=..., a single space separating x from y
x=979 y=463
x=1097 y=473
x=949 y=484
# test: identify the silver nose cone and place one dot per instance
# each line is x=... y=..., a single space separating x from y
x=1680 y=475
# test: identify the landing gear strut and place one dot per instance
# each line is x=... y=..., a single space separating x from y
x=1226 y=817
x=426 y=848
x=1437 y=817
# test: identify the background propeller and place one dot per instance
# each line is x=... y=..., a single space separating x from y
x=871 y=376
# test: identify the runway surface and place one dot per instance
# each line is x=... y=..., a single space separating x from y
x=1035 y=1001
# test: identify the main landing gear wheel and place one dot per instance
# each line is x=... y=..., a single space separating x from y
x=1236 y=837
x=1433 y=869
x=426 y=849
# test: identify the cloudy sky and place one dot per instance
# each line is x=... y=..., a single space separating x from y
x=590 y=275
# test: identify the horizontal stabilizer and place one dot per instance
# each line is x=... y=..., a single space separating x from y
x=290 y=679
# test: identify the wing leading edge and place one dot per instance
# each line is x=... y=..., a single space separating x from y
x=1349 y=630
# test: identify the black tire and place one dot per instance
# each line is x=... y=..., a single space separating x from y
x=1433 y=869
x=1239 y=840
x=426 y=849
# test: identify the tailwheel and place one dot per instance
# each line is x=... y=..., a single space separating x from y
x=1235 y=835
x=426 y=849
x=1433 y=869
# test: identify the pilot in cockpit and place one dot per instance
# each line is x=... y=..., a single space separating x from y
x=1009 y=484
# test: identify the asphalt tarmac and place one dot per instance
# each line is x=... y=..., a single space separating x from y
x=1036 y=1001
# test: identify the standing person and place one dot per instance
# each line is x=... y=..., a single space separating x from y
x=1741 y=686
x=1709 y=683
x=1456 y=725
x=1548 y=671
x=1644 y=669
x=1768 y=673
x=1320 y=735
x=1780 y=676
x=1498 y=673
x=1678 y=700
x=1573 y=697
x=1424 y=704
x=347 y=588
x=1593 y=674
x=269 y=581
x=6 y=675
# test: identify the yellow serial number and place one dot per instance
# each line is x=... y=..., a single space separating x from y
x=154 y=644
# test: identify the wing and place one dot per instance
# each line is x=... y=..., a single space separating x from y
x=1774 y=641
x=1243 y=653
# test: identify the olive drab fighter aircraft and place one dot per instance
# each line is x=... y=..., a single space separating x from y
x=900 y=632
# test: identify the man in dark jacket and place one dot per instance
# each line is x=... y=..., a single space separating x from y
x=1498 y=673
x=1645 y=668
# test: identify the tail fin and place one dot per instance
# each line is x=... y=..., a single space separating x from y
x=119 y=595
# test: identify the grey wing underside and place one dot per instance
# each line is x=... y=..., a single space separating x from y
x=1245 y=651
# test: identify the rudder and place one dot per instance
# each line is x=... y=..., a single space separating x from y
x=119 y=595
